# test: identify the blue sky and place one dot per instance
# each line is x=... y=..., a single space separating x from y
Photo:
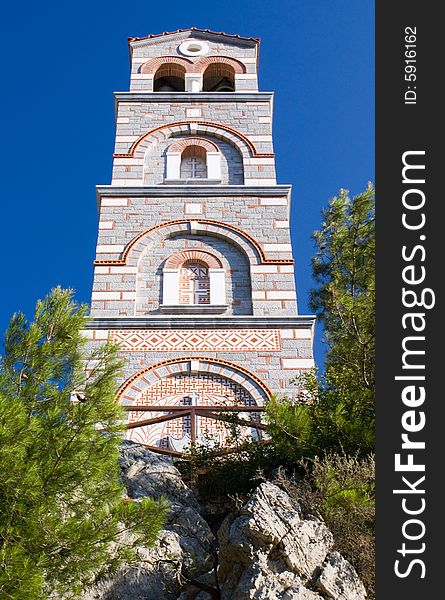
x=61 y=64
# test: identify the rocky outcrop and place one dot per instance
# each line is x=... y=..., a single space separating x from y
x=264 y=551
x=184 y=547
x=269 y=551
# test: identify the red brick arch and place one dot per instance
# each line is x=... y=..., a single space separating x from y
x=167 y=368
x=151 y=66
x=202 y=63
x=179 y=258
x=181 y=144
x=163 y=132
x=251 y=248
x=192 y=66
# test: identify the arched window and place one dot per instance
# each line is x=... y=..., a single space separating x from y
x=193 y=158
x=219 y=77
x=170 y=77
x=194 y=283
x=194 y=163
x=193 y=280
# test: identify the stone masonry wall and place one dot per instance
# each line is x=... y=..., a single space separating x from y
x=251 y=119
x=261 y=218
x=277 y=368
x=236 y=266
x=232 y=172
x=258 y=342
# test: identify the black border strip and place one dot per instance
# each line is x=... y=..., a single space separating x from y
x=401 y=128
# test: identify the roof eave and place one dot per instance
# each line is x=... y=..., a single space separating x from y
x=255 y=41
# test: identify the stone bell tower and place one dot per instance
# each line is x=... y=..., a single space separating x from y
x=194 y=275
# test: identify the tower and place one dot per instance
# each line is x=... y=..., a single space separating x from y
x=194 y=275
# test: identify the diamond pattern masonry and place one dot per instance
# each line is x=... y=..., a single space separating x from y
x=197 y=340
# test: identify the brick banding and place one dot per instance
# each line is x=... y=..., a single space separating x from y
x=185 y=223
x=182 y=127
x=179 y=258
x=181 y=144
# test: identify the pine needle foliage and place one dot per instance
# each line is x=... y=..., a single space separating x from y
x=344 y=299
x=62 y=507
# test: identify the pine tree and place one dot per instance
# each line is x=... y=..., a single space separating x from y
x=344 y=300
x=62 y=506
x=337 y=410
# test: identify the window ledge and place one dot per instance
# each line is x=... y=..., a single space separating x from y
x=195 y=181
x=192 y=309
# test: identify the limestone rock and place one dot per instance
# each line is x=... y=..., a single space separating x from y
x=185 y=543
x=154 y=576
x=145 y=473
x=339 y=580
x=267 y=550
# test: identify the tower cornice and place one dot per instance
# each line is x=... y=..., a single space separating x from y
x=202 y=191
x=251 y=41
x=193 y=97
x=194 y=191
x=203 y=322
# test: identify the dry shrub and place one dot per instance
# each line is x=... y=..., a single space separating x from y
x=340 y=489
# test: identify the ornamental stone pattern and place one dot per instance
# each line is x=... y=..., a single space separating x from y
x=211 y=390
x=194 y=272
x=197 y=340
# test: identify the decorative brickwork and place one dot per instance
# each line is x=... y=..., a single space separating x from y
x=151 y=66
x=203 y=390
x=139 y=381
x=181 y=144
x=245 y=146
x=197 y=340
x=251 y=248
x=191 y=66
x=194 y=273
x=202 y=64
x=179 y=258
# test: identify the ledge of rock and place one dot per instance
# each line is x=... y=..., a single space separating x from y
x=264 y=551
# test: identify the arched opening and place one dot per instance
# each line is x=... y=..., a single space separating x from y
x=193 y=163
x=193 y=402
x=194 y=283
x=219 y=77
x=170 y=77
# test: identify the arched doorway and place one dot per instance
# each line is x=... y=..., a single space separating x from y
x=187 y=408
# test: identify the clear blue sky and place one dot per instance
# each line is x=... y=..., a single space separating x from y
x=61 y=64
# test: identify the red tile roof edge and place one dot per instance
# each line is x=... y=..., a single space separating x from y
x=230 y=35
